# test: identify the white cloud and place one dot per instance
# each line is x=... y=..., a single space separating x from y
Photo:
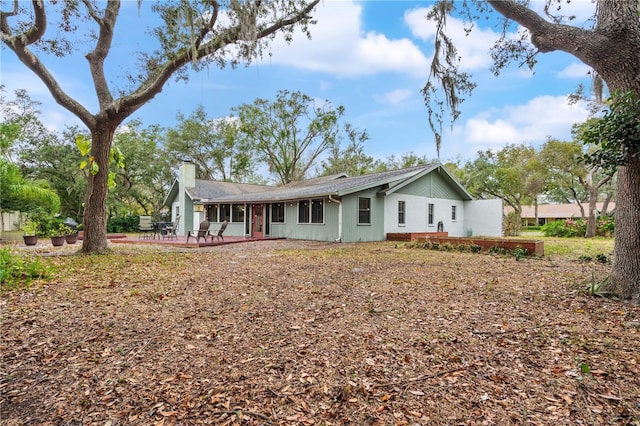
x=473 y=49
x=340 y=47
x=575 y=13
x=575 y=70
x=395 y=97
x=532 y=122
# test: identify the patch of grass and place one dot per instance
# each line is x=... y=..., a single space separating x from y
x=574 y=248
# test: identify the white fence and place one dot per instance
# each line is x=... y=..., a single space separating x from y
x=10 y=221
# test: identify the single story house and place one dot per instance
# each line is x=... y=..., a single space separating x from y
x=337 y=207
x=550 y=212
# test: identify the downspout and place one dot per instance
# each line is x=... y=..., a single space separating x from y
x=339 y=239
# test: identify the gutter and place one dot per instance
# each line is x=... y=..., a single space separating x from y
x=339 y=239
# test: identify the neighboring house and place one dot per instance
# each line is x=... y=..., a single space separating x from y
x=550 y=212
x=336 y=208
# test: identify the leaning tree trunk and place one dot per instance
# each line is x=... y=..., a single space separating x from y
x=625 y=273
x=95 y=212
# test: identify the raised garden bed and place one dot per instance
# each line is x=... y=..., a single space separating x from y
x=413 y=236
x=533 y=247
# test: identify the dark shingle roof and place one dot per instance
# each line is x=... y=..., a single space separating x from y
x=319 y=187
x=209 y=189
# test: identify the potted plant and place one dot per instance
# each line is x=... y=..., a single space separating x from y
x=57 y=234
x=72 y=236
x=30 y=232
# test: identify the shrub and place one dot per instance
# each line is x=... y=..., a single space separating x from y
x=446 y=247
x=519 y=252
x=565 y=228
x=128 y=223
x=605 y=226
x=15 y=269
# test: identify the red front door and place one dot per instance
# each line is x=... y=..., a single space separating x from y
x=257 y=222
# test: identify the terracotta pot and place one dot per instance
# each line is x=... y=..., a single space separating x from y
x=71 y=239
x=57 y=241
x=30 y=240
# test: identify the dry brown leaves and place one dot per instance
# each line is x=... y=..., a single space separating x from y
x=294 y=333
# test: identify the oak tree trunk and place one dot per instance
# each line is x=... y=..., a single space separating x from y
x=95 y=212
x=625 y=272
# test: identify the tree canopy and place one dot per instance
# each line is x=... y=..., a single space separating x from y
x=609 y=43
x=192 y=33
x=291 y=132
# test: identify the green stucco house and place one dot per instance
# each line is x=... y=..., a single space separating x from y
x=338 y=207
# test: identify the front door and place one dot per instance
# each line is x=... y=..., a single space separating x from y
x=257 y=222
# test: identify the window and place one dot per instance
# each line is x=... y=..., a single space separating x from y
x=303 y=211
x=317 y=210
x=364 y=210
x=277 y=213
x=225 y=212
x=311 y=211
x=237 y=213
x=453 y=213
x=401 y=212
x=212 y=213
x=430 y=214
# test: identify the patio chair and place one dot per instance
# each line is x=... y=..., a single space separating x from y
x=146 y=228
x=221 y=230
x=202 y=232
x=170 y=230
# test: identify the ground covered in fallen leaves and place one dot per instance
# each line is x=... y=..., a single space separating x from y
x=298 y=333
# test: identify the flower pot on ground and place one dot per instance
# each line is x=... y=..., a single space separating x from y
x=71 y=238
x=30 y=232
x=58 y=234
x=57 y=240
x=30 y=240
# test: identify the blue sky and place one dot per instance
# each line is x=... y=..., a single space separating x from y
x=372 y=57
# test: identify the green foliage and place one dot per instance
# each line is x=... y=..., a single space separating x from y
x=519 y=253
x=16 y=270
x=142 y=183
x=290 y=133
x=215 y=146
x=616 y=135
x=565 y=228
x=351 y=159
x=20 y=194
x=595 y=287
x=128 y=223
x=30 y=227
x=605 y=225
x=115 y=157
x=53 y=158
x=53 y=226
x=568 y=228
x=498 y=250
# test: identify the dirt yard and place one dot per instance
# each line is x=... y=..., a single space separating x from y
x=298 y=333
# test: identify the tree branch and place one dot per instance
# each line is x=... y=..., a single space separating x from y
x=154 y=84
x=103 y=45
x=18 y=44
x=547 y=36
